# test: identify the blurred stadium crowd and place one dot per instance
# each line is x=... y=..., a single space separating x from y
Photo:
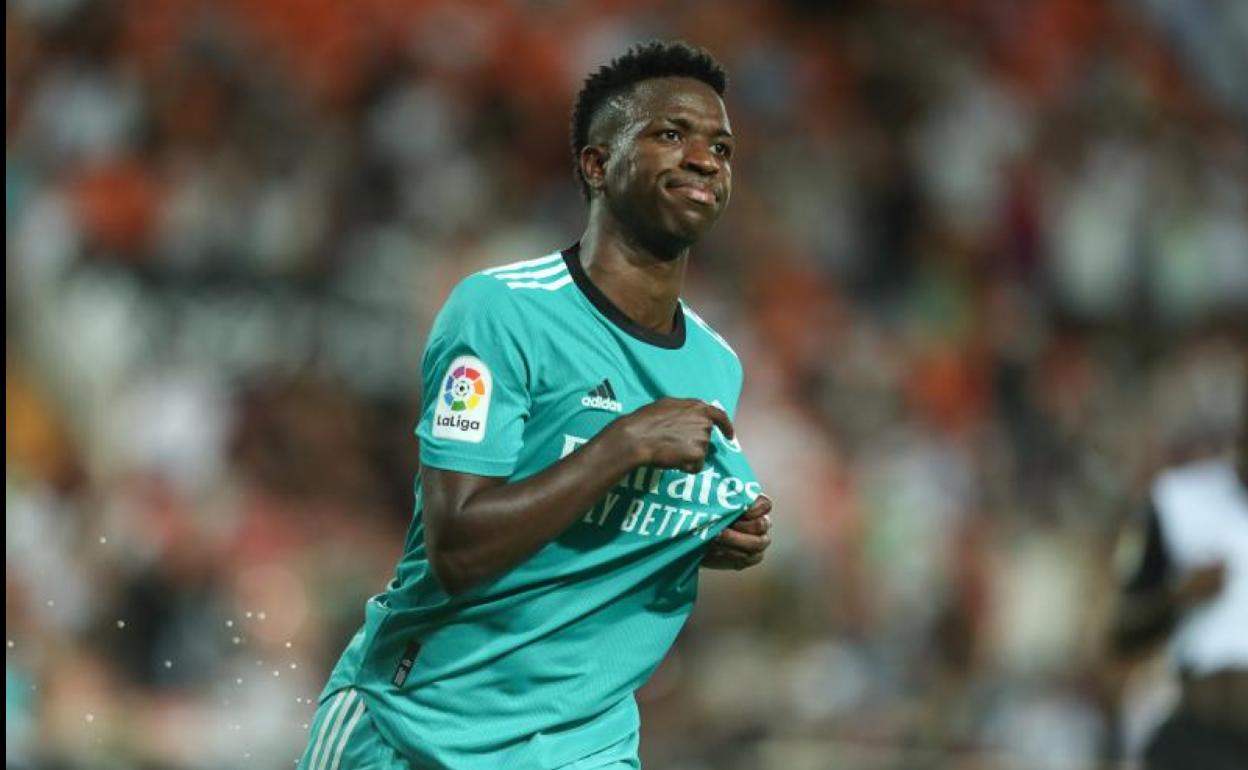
x=987 y=266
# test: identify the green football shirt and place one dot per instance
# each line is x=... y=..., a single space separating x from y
x=537 y=667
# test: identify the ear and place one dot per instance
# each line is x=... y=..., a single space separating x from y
x=593 y=161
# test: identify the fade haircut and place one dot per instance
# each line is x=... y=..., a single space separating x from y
x=656 y=59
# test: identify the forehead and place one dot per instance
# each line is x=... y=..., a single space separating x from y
x=686 y=98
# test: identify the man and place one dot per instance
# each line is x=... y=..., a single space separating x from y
x=578 y=466
x=1190 y=583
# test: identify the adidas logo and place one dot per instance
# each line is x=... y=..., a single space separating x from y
x=602 y=397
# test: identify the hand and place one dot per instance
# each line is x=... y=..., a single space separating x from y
x=1201 y=585
x=672 y=433
x=742 y=544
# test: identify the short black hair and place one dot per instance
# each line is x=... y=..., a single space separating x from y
x=656 y=59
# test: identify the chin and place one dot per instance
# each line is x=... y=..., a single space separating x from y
x=692 y=235
x=670 y=232
x=688 y=230
x=674 y=240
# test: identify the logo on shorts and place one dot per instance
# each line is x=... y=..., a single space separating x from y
x=465 y=403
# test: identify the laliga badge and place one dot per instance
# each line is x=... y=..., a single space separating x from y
x=464 y=403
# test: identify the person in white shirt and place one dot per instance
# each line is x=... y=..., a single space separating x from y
x=1189 y=586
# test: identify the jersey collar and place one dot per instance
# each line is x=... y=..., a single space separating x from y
x=671 y=340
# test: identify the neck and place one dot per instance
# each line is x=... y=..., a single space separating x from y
x=642 y=280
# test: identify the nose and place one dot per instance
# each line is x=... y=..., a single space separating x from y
x=698 y=158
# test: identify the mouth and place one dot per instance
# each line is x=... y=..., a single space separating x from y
x=700 y=194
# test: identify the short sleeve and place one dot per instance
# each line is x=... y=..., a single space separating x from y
x=475 y=375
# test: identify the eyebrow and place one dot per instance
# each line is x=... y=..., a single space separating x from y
x=686 y=125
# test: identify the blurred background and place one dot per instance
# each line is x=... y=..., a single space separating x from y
x=986 y=264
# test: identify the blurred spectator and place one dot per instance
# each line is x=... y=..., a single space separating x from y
x=1188 y=581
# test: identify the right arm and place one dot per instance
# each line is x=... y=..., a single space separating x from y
x=1154 y=598
x=477 y=527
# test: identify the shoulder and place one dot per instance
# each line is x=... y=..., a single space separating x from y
x=536 y=277
x=1194 y=480
x=714 y=342
x=510 y=288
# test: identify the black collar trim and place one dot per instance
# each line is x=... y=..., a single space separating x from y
x=672 y=340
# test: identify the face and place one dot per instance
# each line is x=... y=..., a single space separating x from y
x=665 y=168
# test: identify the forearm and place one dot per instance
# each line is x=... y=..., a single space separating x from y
x=497 y=527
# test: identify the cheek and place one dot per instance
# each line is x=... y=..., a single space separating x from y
x=623 y=174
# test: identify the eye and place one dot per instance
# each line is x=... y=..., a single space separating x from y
x=722 y=149
x=670 y=135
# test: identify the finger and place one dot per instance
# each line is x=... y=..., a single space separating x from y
x=759 y=508
x=720 y=418
x=741 y=541
x=733 y=560
x=724 y=558
x=716 y=559
x=757 y=526
x=750 y=561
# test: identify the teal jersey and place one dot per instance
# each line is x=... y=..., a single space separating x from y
x=537 y=667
